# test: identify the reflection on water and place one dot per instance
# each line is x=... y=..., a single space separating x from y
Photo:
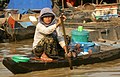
x=107 y=69
x=21 y=47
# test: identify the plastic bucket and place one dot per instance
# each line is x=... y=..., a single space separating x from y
x=79 y=36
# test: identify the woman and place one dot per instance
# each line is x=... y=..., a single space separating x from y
x=47 y=35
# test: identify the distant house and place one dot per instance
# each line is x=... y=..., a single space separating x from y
x=106 y=11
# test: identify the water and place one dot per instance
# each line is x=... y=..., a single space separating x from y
x=106 y=69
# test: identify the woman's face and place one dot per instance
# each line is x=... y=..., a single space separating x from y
x=47 y=20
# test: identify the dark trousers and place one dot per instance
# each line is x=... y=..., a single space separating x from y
x=49 y=45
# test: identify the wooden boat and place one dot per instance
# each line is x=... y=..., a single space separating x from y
x=19 y=34
x=107 y=53
x=13 y=30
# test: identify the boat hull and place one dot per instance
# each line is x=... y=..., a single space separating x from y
x=35 y=65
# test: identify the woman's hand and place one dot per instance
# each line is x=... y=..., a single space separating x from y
x=63 y=17
x=60 y=19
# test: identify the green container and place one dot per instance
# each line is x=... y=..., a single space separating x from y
x=79 y=36
x=18 y=59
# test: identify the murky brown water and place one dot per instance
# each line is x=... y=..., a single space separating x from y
x=107 y=69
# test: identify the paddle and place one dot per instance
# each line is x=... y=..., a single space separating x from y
x=63 y=28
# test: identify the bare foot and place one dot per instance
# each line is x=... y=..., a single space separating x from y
x=90 y=52
x=45 y=58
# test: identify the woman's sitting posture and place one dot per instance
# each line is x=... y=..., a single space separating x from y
x=47 y=35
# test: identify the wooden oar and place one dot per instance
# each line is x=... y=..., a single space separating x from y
x=63 y=28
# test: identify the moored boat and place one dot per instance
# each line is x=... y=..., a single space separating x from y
x=13 y=30
x=19 y=24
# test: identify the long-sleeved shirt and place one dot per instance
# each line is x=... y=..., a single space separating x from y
x=42 y=30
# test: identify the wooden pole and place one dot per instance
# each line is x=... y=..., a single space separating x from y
x=81 y=2
x=64 y=33
x=118 y=1
x=62 y=4
x=101 y=1
x=97 y=2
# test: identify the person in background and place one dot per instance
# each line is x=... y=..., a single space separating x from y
x=78 y=50
x=47 y=35
x=70 y=3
